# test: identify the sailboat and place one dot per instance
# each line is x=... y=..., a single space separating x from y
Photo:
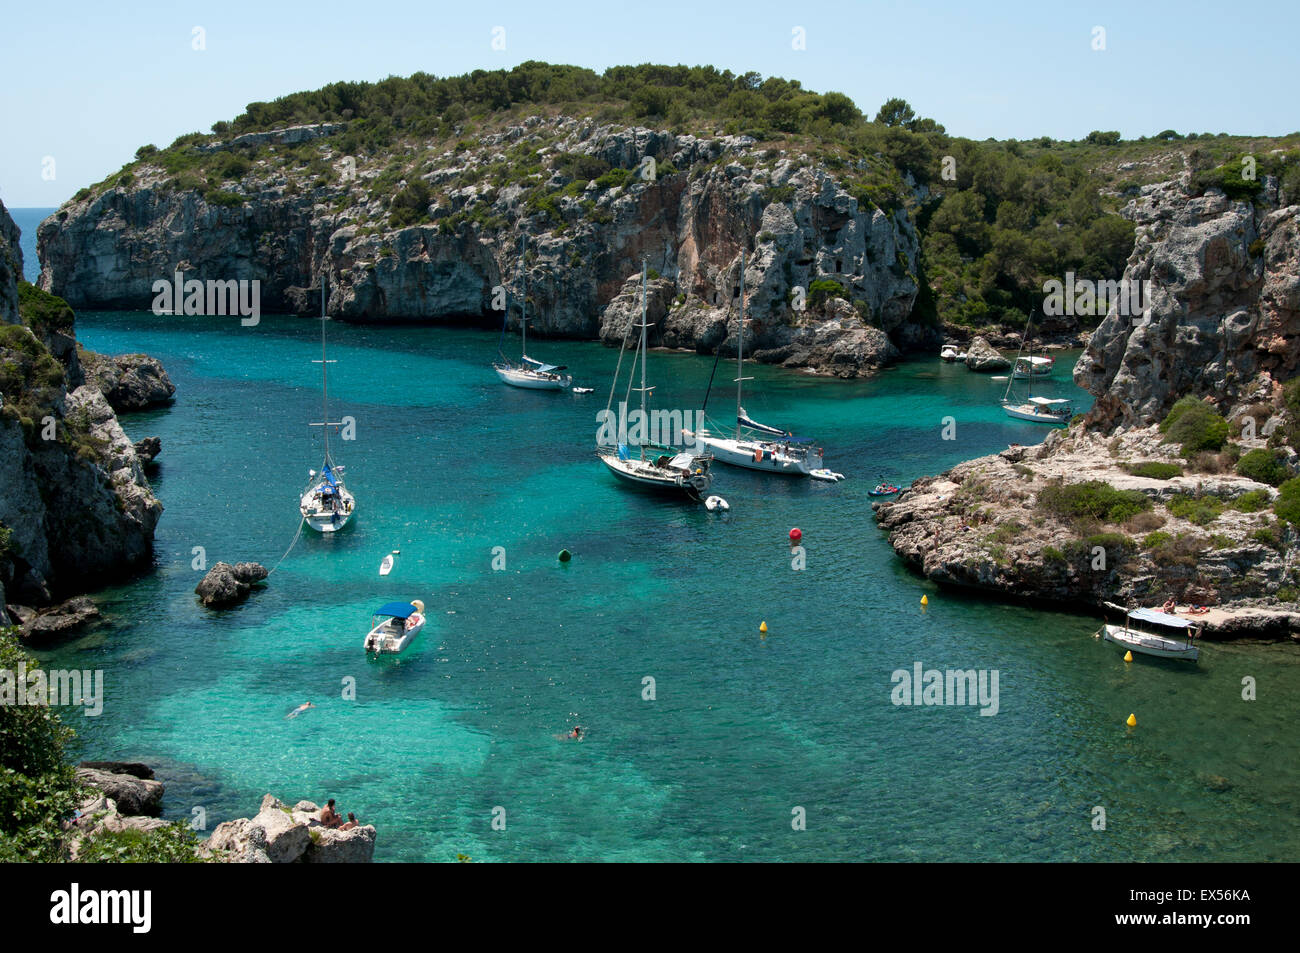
x=527 y=373
x=1040 y=410
x=653 y=466
x=326 y=505
x=757 y=446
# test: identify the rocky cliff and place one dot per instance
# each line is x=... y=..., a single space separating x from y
x=1224 y=317
x=75 y=506
x=1127 y=506
x=593 y=200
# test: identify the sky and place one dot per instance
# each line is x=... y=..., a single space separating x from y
x=84 y=84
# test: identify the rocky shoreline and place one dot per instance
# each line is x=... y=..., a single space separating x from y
x=125 y=796
x=1115 y=509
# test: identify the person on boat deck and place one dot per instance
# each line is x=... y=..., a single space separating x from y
x=328 y=816
x=352 y=822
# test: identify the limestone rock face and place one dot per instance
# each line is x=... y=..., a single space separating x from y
x=711 y=199
x=129 y=381
x=981 y=356
x=224 y=584
x=11 y=267
x=73 y=496
x=1224 y=319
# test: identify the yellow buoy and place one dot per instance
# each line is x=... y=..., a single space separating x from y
x=762 y=627
x=1132 y=721
x=925 y=600
x=1128 y=656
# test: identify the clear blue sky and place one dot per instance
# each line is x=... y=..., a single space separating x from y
x=88 y=82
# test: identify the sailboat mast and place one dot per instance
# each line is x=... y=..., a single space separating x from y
x=643 y=338
x=740 y=344
x=324 y=372
x=523 y=300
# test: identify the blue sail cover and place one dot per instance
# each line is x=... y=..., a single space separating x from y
x=745 y=421
x=539 y=366
x=398 y=610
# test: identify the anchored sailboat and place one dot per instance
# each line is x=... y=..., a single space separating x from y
x=527 y=373
x=653 y=466
x=757 y=446
x=326 y=505
x=1040 y=410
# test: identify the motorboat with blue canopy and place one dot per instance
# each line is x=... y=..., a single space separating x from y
x=393 y=626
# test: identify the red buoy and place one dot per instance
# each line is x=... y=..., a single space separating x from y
x=796 y=534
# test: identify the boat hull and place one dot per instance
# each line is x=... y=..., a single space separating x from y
x=528 y=380
x=381 y=641
x=324 y=520
x=1023 y=412
x=1149 y=644
x=649 y=477
x=746 y=453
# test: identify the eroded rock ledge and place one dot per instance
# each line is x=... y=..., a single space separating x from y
x=985 y=525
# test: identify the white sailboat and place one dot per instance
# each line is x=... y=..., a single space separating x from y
x=1056 y=411
x=757 y=446
x=527 y=373
x=1027 y=368
x=651 y=466
x=326 y=504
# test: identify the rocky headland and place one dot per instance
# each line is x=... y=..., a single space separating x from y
x=1181 y=482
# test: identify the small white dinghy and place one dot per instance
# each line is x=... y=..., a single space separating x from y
x=387 y=565
x=583 y=390
x=716 y=503
x=823 y=474
x=394 y=626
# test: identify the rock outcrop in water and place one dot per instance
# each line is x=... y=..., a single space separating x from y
x=705 y=201
x=1224 y=326
x=280 y=834
x=224 y=584
x=75 y=506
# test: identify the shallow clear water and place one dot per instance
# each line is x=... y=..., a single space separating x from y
x=448 y=464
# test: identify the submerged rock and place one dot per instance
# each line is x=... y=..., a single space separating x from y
x=225 y=585
x=132 y=795
x=50 y=625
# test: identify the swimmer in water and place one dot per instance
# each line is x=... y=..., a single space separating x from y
x=576 y=733
x=299 y=710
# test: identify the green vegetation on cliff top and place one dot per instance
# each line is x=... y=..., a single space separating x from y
x=996 y=219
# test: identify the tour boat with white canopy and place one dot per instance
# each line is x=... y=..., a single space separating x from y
x=393 y=627
x=1033 y=366
x=757 y=446
x=654 y=466
x=326 y=504
x=1153 y=632
x=527 y=372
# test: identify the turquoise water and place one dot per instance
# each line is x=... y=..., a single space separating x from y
x=448 y=464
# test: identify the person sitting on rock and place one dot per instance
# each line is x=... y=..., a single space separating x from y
x=352 y=822
x=328 y=816
x=1170 y=606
